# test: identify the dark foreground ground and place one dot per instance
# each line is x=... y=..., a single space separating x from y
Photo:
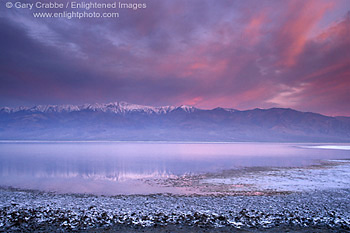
x=32 y=211
x=194 y=229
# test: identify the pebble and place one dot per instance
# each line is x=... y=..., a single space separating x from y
x=31 y=210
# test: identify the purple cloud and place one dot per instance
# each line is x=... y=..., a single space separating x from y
x=204 y=53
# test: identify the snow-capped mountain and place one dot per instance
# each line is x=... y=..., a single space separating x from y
x=114 y=107
x=132 y=122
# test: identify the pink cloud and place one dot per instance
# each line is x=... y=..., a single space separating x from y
x=301 y=17
x=208 y=53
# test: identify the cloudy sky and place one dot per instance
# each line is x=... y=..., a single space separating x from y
x=240 y=54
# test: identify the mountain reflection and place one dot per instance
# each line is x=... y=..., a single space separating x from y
x=117 y=167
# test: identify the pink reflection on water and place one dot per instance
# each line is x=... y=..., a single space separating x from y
x=112 y=168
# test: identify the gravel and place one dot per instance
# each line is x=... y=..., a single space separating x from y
x=318 y=211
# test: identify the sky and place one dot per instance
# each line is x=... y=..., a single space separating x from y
x=240 y=54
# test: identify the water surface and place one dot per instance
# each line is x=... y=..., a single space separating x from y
x=113 y=168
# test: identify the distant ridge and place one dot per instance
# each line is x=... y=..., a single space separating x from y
x=130 y=122
x=115 y=107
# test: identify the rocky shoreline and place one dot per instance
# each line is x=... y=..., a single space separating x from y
x=34 y=211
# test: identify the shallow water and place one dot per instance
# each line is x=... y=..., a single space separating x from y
x=113 y=168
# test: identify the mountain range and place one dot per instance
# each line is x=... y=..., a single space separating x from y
x=129 y=122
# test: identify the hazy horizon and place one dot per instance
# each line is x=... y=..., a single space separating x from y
x=160 y=106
